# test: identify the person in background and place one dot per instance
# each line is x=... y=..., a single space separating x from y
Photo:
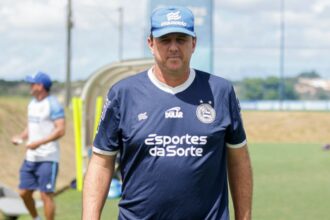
x=179 y=133
x=46 y=124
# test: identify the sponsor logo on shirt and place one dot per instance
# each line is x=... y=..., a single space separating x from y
x=174 y=113
x=104 y=111
x=205 y=113
x=167 y=146
x=105 y=108
x=142 y=116
x=34 y=119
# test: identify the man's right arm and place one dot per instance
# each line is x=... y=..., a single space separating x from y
x=96 y=185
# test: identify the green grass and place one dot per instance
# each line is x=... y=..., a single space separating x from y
x=291 y=181
x=69 y=207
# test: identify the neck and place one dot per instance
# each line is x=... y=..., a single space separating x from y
x=172 y=79
x=41 y=96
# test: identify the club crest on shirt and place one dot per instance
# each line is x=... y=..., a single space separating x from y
x=205 y=113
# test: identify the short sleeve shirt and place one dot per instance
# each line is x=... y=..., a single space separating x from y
x=41 y=117
x=172 y=144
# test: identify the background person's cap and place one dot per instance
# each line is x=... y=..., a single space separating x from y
x=172 y=19
x=40 y=78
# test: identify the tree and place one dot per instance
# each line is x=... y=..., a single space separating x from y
x=265 y=89
x=251 y=89
x=309 y=74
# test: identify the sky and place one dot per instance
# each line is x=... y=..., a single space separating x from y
x=246 y=37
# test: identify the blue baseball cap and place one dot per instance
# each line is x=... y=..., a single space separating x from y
x=172 y=19
x=40 y=78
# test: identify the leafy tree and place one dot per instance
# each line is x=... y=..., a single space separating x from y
x=309 y=74
x=265 y=89
x=251 y=89
x=289 y=91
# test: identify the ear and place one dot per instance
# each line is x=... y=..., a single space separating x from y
x=151 y=45
x=194 y=42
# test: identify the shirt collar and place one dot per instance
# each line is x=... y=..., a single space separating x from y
x=170 y=89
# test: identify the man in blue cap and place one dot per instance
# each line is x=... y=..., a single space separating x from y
x=179 y=133
x=46 y=124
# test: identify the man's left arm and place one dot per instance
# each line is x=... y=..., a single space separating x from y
x=58 y=132
x=240 y=181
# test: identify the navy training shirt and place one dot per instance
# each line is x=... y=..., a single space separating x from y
x=172 y=144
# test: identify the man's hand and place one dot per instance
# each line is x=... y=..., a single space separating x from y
x=16 y=140
x=19 y=139
x=33 y=145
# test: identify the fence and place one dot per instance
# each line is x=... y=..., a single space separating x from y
x=286 y=105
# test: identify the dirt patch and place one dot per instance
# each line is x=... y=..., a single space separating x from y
x=287 y=127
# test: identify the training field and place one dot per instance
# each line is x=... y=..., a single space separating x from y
x=291 y=181
x=291 y=171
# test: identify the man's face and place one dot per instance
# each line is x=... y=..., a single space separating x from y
x=35 y=89
x=173 y=51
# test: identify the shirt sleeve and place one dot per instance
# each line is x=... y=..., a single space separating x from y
x=56 y=109
x=107 y=139
x=235 y=136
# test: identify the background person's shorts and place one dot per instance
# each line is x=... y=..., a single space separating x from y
x=38 y=176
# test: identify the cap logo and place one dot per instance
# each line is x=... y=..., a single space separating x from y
x=172 y=19
x=173 y=16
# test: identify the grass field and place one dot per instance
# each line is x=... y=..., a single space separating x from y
x=291 y=171
x=291 y=181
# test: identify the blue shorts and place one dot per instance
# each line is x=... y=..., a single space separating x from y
x=38 y=176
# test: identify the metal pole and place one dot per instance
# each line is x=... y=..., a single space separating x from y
x=120 y=33
x=282 y=54
x=212 y=38
x=68 y=56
